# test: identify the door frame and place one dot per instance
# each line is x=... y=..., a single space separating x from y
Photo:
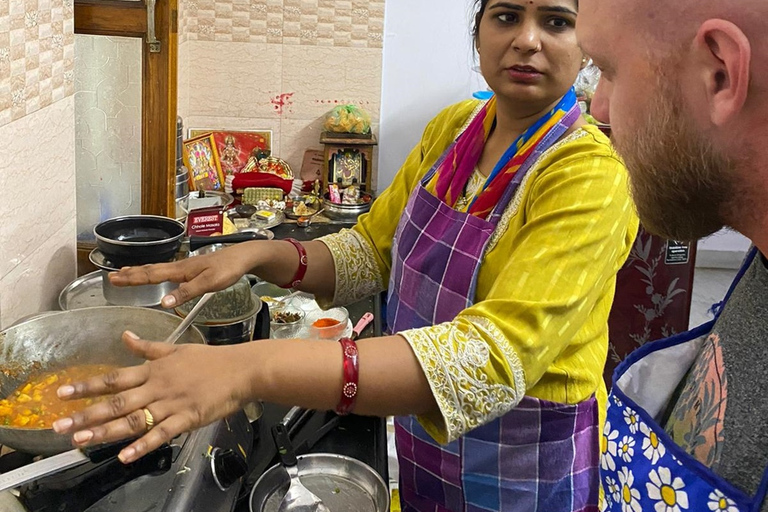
x=159 y=93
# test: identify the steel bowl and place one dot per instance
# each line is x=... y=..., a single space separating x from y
x=204 y=199
x=344 y=212
x=94 y=289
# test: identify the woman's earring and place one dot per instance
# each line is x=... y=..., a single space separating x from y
x=584 y=62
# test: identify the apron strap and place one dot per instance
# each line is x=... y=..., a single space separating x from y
x=762 y=491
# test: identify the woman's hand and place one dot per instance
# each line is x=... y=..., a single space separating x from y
x=197 y=275
x=182 y=386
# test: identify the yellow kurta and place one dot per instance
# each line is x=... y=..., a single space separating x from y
x=539 y=323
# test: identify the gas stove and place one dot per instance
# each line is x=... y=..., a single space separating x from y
x=198 y=471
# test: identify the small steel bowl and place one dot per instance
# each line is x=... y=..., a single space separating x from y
x=345 y=212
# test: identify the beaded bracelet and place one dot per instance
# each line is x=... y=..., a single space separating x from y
x=351 y=375
x=302 y=270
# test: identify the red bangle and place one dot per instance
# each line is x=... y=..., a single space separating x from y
x=297 y=278
x=351 y=375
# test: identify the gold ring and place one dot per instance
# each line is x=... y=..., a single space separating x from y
x=149 y=420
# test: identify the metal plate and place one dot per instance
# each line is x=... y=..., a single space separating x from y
x=100 y=261
x=267 y=224
x=84 y=292
x=343 y=483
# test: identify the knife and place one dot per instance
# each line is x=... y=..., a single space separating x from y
x=56 y=463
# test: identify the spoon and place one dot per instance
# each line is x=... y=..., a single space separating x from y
x=298 y=498
x=305 y=220
x=184 y=325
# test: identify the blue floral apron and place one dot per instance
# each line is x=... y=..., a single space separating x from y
x=641 y=467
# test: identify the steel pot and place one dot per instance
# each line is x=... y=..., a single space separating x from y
x=148 y=295
x=144 y=239
x=57 y=340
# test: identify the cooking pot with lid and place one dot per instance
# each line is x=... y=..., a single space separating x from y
x=143 y=239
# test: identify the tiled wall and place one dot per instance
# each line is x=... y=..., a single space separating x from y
x=36 y=55
x=37 y=171
x=278 y=65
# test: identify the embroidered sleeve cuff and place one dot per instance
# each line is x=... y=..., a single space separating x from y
x=357 y=274
x=473 y=370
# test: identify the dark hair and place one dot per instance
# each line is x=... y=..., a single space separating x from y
x=481 y=5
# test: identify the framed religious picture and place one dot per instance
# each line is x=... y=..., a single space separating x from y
x=202 y=159
x=238 y=149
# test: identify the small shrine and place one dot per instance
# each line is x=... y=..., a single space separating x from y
x=348 y=160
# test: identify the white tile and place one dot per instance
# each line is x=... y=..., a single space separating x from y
x=296 y=136
x=319 y=78
x=228 y=79
x=38 y=181
x=34 y=284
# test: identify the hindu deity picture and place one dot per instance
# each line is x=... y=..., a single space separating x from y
x=236 y=148
x=202 y=160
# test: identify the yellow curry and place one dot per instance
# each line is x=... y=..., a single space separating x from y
x=35 y=404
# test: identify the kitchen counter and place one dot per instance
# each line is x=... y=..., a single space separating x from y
x=360 y=437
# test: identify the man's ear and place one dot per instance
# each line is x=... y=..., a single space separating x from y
x=723 y=56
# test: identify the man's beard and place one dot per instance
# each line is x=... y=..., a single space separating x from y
x=680 y=183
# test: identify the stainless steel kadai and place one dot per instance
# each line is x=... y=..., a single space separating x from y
x=57 y=340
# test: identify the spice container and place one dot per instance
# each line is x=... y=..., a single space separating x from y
x=285 y=322
x=327 y=325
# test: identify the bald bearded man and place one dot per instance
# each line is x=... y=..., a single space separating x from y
x=684 y=88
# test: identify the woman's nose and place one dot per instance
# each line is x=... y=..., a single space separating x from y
x=528 y=40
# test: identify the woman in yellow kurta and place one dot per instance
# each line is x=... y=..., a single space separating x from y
x=498 y=240
x=545 y=287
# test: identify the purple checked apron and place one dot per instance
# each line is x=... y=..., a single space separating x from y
x=541 y=456
x=641 y=466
